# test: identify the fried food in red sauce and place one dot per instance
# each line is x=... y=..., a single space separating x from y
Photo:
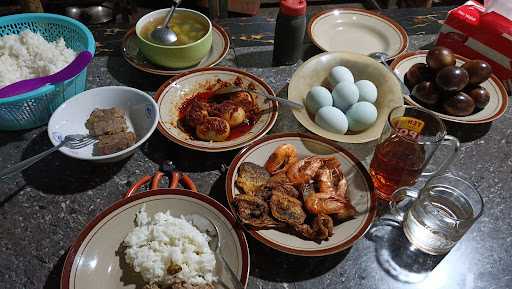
x=244 y=99
x=305 y=195
x=254 y=211
x=228 y=111
x=281 y=159
x=196 y=113
x=287 y=209
x=213 y=129
x=251 y=177
x=240 y=110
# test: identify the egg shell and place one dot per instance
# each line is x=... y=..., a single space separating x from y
x=367 y=91
x=344 y=95
x=332 y=119
x=339 y=74
x=317 y=98
x=361 y=116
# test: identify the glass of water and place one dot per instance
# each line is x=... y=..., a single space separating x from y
x=441 y=213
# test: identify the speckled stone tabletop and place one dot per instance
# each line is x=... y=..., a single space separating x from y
x=43 y=209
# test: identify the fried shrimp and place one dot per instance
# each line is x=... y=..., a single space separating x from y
x=281 y=159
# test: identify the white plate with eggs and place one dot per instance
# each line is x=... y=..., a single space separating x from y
x=347 y=96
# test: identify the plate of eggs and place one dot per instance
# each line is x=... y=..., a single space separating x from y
x=347 y=96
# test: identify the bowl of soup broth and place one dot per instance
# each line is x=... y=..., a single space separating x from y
x=194 y=32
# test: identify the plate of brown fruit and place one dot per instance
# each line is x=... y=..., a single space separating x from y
x=215 y=109
x=301 y=194
x=455 y=88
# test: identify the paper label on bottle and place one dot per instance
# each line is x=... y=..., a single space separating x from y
x=409 y=126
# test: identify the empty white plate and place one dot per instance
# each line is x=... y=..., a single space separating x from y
x=357 y=30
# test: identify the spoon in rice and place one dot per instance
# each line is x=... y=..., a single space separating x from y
x=68 y=72
x=206 y=226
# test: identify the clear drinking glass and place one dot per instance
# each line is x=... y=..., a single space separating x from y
x=408 y=141
x=442 y=212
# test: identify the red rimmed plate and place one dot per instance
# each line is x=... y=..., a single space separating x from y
x=357 y=30
x=174 y=92
x=360 y=191
x=132 y=54
x=498 y=95
x=96 y=260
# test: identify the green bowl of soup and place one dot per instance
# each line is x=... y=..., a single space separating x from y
x=194 y=32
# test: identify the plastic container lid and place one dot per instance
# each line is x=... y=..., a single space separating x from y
x=293 y=7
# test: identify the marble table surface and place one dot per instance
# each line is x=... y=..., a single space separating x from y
x=43 y=209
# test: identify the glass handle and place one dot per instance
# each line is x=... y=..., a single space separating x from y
x=398 y=209
x=451 y=141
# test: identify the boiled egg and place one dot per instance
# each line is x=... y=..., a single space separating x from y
x=332 y=119
x=345 y=94
x=317 y=98
x=367 y=91
x=339 y=74
x=361 y=116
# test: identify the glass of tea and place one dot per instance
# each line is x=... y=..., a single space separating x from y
x=410 y=138
x=441 y=213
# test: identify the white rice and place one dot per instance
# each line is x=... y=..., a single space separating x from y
x=29 y=55
x=157 y=241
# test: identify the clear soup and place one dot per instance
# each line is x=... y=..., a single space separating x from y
x=188 y=27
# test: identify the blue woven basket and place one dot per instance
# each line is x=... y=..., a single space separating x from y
x=34 y=108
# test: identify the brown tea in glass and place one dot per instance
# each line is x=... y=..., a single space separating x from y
x=410 y=138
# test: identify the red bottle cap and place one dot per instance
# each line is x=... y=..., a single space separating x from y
x=293 y=7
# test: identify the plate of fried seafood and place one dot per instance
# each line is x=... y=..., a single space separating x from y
x=196 y=114
x=301 y=194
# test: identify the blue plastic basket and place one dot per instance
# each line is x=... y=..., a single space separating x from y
x=33 y=109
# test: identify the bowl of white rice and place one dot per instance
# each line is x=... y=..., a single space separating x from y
x=143 y=242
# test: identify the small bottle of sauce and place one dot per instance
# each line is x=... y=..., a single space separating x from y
x=289 y=33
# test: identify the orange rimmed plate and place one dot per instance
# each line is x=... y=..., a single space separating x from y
x=96 y=258
x=174 y=92
x=493 y=110
x=360 y=191
x=357 y=30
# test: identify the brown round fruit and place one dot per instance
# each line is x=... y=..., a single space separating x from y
x=452 y=78
x=439 y=57
x=459 y=104
x=480 y=96
x=426 y=93
x=478 y=70
x=417 y=73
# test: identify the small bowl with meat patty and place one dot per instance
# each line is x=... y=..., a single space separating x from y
x=195 y=113
x=119 y=118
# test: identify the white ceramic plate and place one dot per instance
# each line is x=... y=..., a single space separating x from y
x=141 y=116
x=360 y=191
x=171 y=95
x=315 y=72
x=96 y=259
x=357 y=30
x=498 y=95
x=132 y=54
